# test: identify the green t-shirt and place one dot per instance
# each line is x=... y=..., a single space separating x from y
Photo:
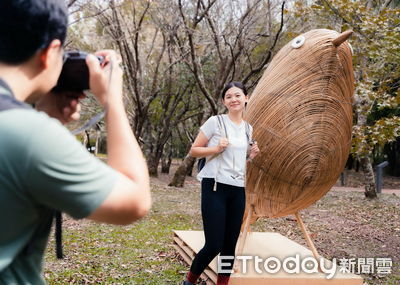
x=42 y=167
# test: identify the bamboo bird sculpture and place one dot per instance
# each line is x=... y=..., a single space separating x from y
x=301 y=113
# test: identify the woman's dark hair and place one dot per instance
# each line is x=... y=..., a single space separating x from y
x=234 y=84
x=27 y=26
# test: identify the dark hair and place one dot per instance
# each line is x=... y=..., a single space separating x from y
x=234 y=84
x=27 y=26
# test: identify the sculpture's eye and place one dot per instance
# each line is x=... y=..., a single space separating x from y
x=298 y=41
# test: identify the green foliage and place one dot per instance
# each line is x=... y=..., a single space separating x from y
x=383 y=131
x=376 y=58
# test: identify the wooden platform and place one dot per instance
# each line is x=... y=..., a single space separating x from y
x=264 y=245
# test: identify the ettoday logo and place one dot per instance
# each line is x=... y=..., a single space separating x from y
x=272 y=265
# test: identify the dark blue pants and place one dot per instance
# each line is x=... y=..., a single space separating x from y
x=222 y=213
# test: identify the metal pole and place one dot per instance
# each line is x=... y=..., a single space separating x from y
x=378 y=182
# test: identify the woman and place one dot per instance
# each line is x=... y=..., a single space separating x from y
x=226 y=142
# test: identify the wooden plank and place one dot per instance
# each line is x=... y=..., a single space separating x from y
x=187 y=254
x=184 y=247
x=188 y=243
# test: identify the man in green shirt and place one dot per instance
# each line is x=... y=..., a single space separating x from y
x=42 y=167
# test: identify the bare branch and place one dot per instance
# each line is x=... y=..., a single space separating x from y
x=87 y=17
x=271 y=48
x=70 y=3
x=156 y=71
x=214 y=33
x=386 y=4
x=196 y=67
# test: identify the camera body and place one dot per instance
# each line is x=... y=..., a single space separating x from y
x=74 y=75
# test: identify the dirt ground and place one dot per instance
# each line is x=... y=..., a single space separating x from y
x=356 y=179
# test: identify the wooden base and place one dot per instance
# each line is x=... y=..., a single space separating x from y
x=187 y=253
x=264 y=245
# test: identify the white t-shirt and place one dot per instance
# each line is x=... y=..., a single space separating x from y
x=229 y=167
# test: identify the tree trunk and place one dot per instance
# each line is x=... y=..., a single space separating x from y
x=96 y=146
x=166 y=163
x=154 y=158
x=190 y=168
x=365 y=162
x=153 y=162
x=180 y=175
x=369 y=178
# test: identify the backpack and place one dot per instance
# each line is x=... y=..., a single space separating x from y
x=221 y=123
x=7 y=103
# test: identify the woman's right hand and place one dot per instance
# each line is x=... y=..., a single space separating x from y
x=222 y=145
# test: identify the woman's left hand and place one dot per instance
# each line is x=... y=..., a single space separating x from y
x=254 y=151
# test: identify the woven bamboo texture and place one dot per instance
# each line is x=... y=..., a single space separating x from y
x=301 y=113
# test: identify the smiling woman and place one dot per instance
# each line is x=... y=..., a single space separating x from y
x=225 y=140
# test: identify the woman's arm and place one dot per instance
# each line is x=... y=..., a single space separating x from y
x=200 y=149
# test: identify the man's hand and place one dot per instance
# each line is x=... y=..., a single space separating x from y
x=63 y=106
x=105 y=79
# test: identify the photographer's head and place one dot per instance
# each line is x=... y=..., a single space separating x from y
x=31 y=36
x=27 y=26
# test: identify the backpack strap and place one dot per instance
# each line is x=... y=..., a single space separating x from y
x=222 y=126
x=7 y=102
x=224 y=133
x=247 y=126
x=7 y=99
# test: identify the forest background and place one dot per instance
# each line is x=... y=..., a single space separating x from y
x=179 y=54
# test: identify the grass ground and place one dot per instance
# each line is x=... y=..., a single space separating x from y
x=343 y=225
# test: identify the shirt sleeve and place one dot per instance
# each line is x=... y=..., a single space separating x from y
x=63 y=175
x=209 y=127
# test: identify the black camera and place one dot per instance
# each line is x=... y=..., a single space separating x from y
x=74 y=75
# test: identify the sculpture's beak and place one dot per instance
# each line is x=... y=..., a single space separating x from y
x=342 y=38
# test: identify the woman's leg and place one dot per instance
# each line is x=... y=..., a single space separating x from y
x=213 y=209
x=234 y=216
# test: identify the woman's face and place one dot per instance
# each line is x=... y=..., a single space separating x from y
x=234 y=99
